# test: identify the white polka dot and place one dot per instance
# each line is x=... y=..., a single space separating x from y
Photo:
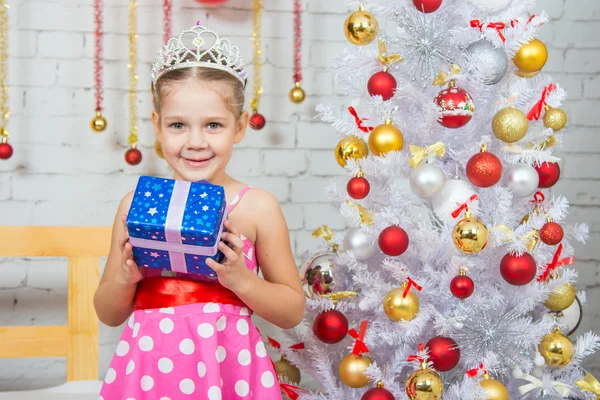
x=211 y=308
x=244 y=357
x=206 y=330
x=168 y=310
x=148 y=311
x=130 y=367
x=130 y=321
x=186 y=346
x=242 y=388
x=261 y=351
x=201 y=369
x=146 y=343
x=122 y=348
x=244 y=311
x=221 y=323
x=165 y=365
x=136 y=329
x=242 y=327
x=221 y=353
x=111 y=375
x=267 y=379
x=147 y=383
x=214 y=393
x=166 y=325
x=221 y=381
x=187 y=386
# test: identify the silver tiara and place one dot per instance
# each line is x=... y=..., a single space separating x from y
x=199 y=47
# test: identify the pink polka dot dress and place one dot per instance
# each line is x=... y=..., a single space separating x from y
x=205 y=350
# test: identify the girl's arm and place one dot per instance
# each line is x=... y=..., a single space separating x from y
x=114 y=297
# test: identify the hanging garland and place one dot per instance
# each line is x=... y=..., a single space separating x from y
x=166 y=36
x=133 y=156
x=98 y=123
x=6 y=149
x=297 y=94
x=257 y=120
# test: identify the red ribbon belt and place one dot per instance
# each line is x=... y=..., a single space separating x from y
x=161 y=292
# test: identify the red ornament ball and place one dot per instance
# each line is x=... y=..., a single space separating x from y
x=427 y=6
x=549 y=173
x=133 y=156
x=484 y=169
x=358 y=187
x=6 y=151
x=444 y=353
x=377 y=394
x=257 y=121
x=382 y=83
x=462 y=286
x=551 y=233
x=330 y=326
x=518 y=270
x=393 y=241
x=456 y=107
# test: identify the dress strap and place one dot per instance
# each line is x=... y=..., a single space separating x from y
x=238 y=197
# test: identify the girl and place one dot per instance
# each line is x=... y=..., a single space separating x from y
x=187 y=338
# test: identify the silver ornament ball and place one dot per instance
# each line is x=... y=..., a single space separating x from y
x=427 y=180
x=522 y=179
x=317 y=274
x=361 y=243
x=487 y=62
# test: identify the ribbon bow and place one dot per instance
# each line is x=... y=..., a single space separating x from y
x=290 y=390
x=473 y=372
x=359 y=120
x=326 y=234
x=536 y=110
x=419 y=153
x=410 y=283
x=514 y=22
x=464 y=206
x=498 y=26
x=531 y=237
x=556 y=262
x=359 y=347
x=383 y=56
x=442 y=77
x=365 y=216
x=538 y=198
x=414 y=357
x=277 y=345
x=562 y=388
x=589 y=383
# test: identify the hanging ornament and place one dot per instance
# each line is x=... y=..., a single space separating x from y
x=133 y=155
x=488 y=63
x=361 y=27
x=98 y=122
x=297 y=94
x=330 y=326
x=427 y=179
x=549 y=173
x=494 y=390
x=443 y=352
x=257 y=120
x=286 y=371
x=401 y=303
x=383 y=83
x=551 y=233
x=455 y=105
x=427 y=6
x=469 y=235
x=385 y=138
x=522 y=179
x=555 y=118
x=317 y=275
x=358 y=187
x=556 y=349
x=378 y=393
x=6 y=150
x=393 y=241
x=571 y=317
x=510 y=125
x=561 y=297
x=518 y=270
x=462 y=286
x=484 y=169
x=531 y=58
x=424 y=384
x=360 y=243
x=350 y=147
x=354 y=366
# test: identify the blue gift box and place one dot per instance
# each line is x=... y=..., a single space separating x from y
x=176 y=225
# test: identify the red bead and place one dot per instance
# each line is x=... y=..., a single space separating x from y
x=6 y=151
x=551 y=233
x=393 y=241
x=382 y=83
x=484 y=169
x=444 y=353
x=377 y=394
x=427 y=6
x=330 y=326
x=358 y=188
x=549 y=173
x=257 y=121
x=518 y=270
x=462 y=286
x=133 y=156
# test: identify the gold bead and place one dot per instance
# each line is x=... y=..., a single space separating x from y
x=561 y=297
x=555 y=118
x=424 y=384
x=158 y=149
x=98 y=123
x=361 y=27
x=350 y=147
x=385 y=138
x=531 y=57
x=494 y=390
x=399 y=308
x=556 y=349
x=297 y=94
x=287 y=371
x=510 y=125
x=470 y=235
x=352 y=370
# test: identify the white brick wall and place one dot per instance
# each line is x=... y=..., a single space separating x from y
x=59 y=162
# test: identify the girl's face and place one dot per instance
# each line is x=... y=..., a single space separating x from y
x=196 y=129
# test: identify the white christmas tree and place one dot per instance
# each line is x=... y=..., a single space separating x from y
x=442 y=289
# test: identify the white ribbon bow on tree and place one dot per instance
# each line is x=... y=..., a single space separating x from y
x=562 y=388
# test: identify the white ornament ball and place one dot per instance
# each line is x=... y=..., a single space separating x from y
x=455 y=193
x=490 y=6
x=571 y=317
x=427 y=180
x=522 y=179
x=361 y=243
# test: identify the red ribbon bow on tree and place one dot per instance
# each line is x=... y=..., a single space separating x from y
x=538 y=198
x=536 y=110
x=414 y=357
x=410 y=283
x=359 y=120
x=514 y=22
x=473 y=372
x=359 y=347
x=498 y=26
x=556 y=262
x=290 y=390
x=464 y=206
x=277 y=345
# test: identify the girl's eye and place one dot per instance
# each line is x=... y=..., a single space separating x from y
x=177 y=125
x=214 y=125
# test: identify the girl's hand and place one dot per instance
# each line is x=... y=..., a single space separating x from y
x=232 y=271
x=129 y=273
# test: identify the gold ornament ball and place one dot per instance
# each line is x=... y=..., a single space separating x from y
x=556 y=349
x=361 y=27
x=385 y=138
x=398 y=308
x=561 y=298
x=470 y=235
x=297 y=94
x=555 y=118
x=527 y=74
x=424 y=384
x=350 y=147
x=287 y=371
x=510 y=125
x=531 y=57
x=494 y=390
x=352 y=370
x=98 y=123
x=158 y=149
